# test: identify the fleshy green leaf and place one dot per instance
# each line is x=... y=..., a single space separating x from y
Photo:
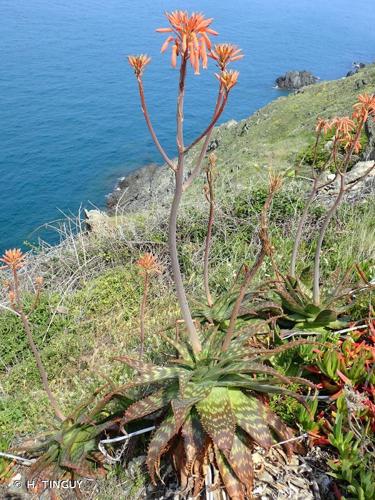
x=217 y=418
x=325 y=317
x=233 y=485
x=196 y=391
x=280 y=429
x=159 y=444
x=149 y=373
x=180 y=410
x=312 y=310
x=195 y=439
x=242 y=463
x=183 y=380
x=150 y=404
x=250 y=416
x=180 y=348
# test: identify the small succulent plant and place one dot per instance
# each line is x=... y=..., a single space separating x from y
x=220 y=312
x=71 y=450
x=297 y=302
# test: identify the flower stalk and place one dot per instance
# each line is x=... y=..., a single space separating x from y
x=210 y=197
x=250 y=272
x=14 y=260
x=351 y=144
x=148 y=265
x=347 y=133
x=189 y=38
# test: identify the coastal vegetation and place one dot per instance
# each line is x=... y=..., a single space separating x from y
x=271 y=342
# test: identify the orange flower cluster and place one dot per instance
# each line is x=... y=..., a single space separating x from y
x=365 y=107
x=13 y=259
x=342 y=125
x=347 y=129
x=224 y=53
x=190 y=37
x=323 y=125
x=228 y=79
x=149 y=264
x=138 y=63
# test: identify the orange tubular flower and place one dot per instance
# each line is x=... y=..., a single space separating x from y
x=224 y=53
x=149 y=264
x=344 y=126
x=365 y=107
x=13 y=259
x=351 y=142
x=190 y=37
x=324 y=125
x=228 y=79
x=138 y=63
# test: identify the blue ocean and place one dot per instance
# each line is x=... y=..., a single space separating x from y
x=70 y=121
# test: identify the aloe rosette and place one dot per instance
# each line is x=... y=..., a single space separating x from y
x=210 y=410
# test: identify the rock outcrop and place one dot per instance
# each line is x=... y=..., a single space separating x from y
x=294 y=80
x=356 y=68
x=135 y=191
x=360 y=181
x=370 y=132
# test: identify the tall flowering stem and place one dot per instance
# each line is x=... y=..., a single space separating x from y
x=13 y=260
x=148 y=266
x=189 y=38
x=210 y=196
x=172 y=234
x=323 y=126
x=161 y=150
x=265 y=249
x=347 y=133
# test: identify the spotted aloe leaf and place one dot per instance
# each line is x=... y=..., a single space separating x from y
x=238 y=346
x=159 y=444
x=189 y=455
x=80 y=449
x=183 y=380
x=217 y=418
x=195 y=439
x=180 y=348
x=325 y=317
x=149 y=373
x=180 y=408
x=250 y=416
x=79 y=470
x=281 y=430
x=250 y=367
x=260 y=354
x=196 y=390
x=150 y=404
x=234 y=487
x=242 y=463
x=267 y=387
x=260 y=310
x=289 y=302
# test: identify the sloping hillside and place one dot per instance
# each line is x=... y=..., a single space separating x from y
x=89 y=307
x=271 y=137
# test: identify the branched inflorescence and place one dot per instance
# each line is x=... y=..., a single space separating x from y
x=189 y=38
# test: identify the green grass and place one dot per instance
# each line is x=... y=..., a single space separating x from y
x=101 y=322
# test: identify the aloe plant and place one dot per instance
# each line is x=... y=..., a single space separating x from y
x=219 y=313
x=212 y=409
x=71 y=450
x=297 y=302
